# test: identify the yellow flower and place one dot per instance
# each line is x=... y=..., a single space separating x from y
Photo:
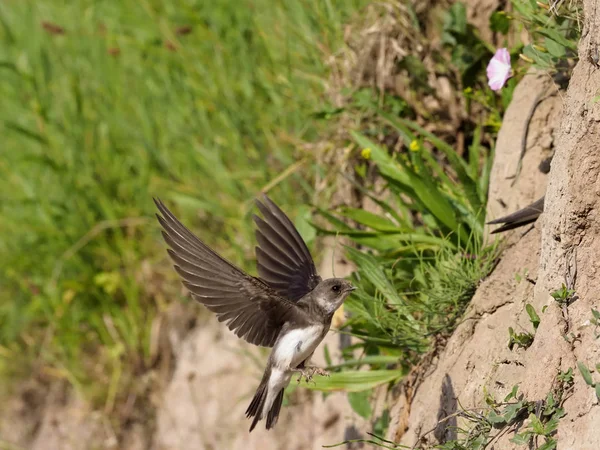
x=414 y=146
x=366 y=153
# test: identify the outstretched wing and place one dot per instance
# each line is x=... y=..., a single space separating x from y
x=521 y=217
x=250 y=308
x=282 y=258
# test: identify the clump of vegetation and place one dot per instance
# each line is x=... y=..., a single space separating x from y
x=421 y=248
x=531 y=423
x=563 y=295
x=524 y=339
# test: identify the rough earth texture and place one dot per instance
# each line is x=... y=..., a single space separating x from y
x=564 y=244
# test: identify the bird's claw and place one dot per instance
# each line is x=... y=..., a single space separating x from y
x=321 y=372
x=309 y=372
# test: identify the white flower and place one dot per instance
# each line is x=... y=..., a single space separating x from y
x=499 y=70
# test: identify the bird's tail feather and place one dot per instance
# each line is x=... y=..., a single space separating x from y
x=274 y=413
x=258 y=405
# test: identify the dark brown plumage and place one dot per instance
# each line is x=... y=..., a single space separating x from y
x=520 y=218
x=247 y=305
x=282 y=258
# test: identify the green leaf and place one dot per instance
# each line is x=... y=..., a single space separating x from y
x=521 y=439
x=360 y=402
x=558 y=38
x=597 y=388
x=512 y=394
x=337 y=223
x=469 y=185
x=526 y=9
x=354 y=381
x=370 y=219
x=560 y=412
x=495 y=419
x=533 y=317
x=458 y=164
x=423 y=188
x=457 y=19
x=585 y=373
x=550 y=444
x=370 y=268
x=536 y=424
x=551 y=426
x=371 y=360
x=499 y=22
x=381 y=424
x=554 y=48
x=386 y=164
x=543 y=60
x=512 y=411
x=550 y=402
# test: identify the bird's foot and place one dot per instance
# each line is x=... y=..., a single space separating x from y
x=309 y=372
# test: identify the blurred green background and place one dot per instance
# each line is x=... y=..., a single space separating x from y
x=107 y=104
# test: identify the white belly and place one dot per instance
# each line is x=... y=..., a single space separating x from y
x=296 y=345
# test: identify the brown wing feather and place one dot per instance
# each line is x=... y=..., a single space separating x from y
x=249 y=307
x=520 y=218
x=282 y=258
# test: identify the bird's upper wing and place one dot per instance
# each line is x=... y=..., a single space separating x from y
x=282 y=258
x=250 y=308
x=521 y=217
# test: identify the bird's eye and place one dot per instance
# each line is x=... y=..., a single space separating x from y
x=336 y=288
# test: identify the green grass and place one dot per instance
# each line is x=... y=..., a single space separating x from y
x=197 y=102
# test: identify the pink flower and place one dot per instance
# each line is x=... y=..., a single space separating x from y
x=498 y=70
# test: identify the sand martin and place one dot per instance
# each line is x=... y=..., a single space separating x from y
x=288 y=307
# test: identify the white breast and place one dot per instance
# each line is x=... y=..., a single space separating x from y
x=296 y=345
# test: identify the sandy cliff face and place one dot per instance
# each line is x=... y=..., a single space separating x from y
x=564 y=244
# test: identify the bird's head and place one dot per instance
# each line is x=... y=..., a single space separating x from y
x=331 y=293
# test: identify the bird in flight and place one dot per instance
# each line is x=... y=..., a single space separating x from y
x=288 y=307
